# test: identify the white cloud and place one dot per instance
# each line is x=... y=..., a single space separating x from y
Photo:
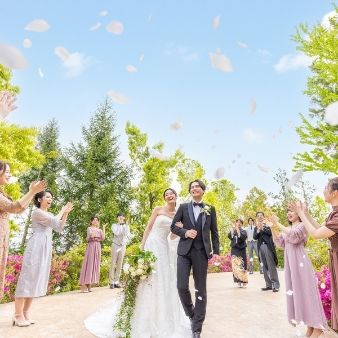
x=115 y=27
x=95 y=27
x=183 y=52
x=74 y=63
x=27 y=43
x=103 y=13
x=117 y=97
x=292 y=62
x=11 y=57
x=326 y=19
x=220 y=61
x=251 y=136
x=38 y=25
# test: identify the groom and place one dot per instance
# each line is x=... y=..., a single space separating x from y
x=194 y=249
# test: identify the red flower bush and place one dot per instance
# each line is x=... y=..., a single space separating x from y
x=324 y=285
x=221 y=264
x=14 y=262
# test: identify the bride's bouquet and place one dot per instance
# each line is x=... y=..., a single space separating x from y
x=138 y=266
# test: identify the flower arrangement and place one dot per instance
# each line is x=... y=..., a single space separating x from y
x=206 y=209
x=324 y=285
x=220 y=264
x=138 y=266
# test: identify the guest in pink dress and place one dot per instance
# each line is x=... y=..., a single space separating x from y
x=329 y=229
x=302 y=295
x=90 y=272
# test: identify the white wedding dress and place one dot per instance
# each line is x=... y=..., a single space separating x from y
x=158 y=312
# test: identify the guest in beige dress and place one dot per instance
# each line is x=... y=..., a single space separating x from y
x=7 y=206
x=329 y=229
x=34 y=274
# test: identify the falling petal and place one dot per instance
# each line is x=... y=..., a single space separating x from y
x=220 y=61
x=219 y=174
x=322 y=285
x=115 y=27
x=117 y=97
x=11 y=57
x=331 y=114
x=251 y=259
x=13 y=179
x=176 y=125
x=196 y=290
x=200 y=298
x=141 y=58
x=216 y=22
x=294 y=322
x=95 y=27
x=264 y=169
x=217 y=264
x=131 y=69
x=289 y=292
x=301 y=264
x=295 y=178
x=103 y=13
x=40 y=72
x=242 y=44
x=62 y=53
x=39 y=26
x=253 y=106
x=27 y=43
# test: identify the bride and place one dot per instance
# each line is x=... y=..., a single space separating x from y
x=158 y=312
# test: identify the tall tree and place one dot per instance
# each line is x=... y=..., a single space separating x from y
x=49 y=147
x=321 y=44
x=94 y=178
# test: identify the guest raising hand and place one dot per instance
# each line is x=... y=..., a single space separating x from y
x=7 y=206
x=37 y=258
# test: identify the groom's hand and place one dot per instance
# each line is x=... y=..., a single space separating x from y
x=191 y=233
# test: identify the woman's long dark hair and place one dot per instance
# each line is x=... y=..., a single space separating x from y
x=39 y=195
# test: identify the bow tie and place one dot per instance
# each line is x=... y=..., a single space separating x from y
x=198 y=204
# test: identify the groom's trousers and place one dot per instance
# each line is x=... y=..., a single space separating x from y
x=198 y=261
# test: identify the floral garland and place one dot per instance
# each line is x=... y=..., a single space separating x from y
x=138 y=267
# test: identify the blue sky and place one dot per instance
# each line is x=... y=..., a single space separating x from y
x=169 y=44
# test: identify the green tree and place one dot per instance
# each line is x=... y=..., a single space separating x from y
x=222 y=194
x=5 y=80
x=49 y=147
x=94 y=177
x=255 y=201
x=151 y=171
x=321 y=44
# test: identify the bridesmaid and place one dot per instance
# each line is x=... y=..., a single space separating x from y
x=90 y=272
x=329 y=229
x=303 y=299
x=238 y=237
x=7 y=206
x=35 y=270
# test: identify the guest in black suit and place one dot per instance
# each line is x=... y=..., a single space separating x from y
x=238 y=237
x=194 y=249
x=267 y=253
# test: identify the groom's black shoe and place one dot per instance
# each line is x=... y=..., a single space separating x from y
x=196 y=334
x=266 y=289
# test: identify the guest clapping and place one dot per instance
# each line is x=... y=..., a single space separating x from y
x=238 y=237
x=329 y=229
x=7 y=206
x=303 y=299
x=90 y=272
x=35 y=270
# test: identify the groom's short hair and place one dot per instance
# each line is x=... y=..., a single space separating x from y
x=200 y=183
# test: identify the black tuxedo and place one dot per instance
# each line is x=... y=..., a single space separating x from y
x=194 y=253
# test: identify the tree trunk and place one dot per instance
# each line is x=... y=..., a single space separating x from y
x=27 y=224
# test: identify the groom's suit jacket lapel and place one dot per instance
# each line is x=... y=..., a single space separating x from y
x=191 y=214
x=204 y=218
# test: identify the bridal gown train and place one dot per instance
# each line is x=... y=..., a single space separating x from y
x=158 y=312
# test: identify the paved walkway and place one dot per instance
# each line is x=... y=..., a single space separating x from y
x=231 y=312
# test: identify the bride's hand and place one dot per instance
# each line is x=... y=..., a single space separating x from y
x=179 y=224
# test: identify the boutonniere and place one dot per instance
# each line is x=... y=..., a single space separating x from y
x=206 y=209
